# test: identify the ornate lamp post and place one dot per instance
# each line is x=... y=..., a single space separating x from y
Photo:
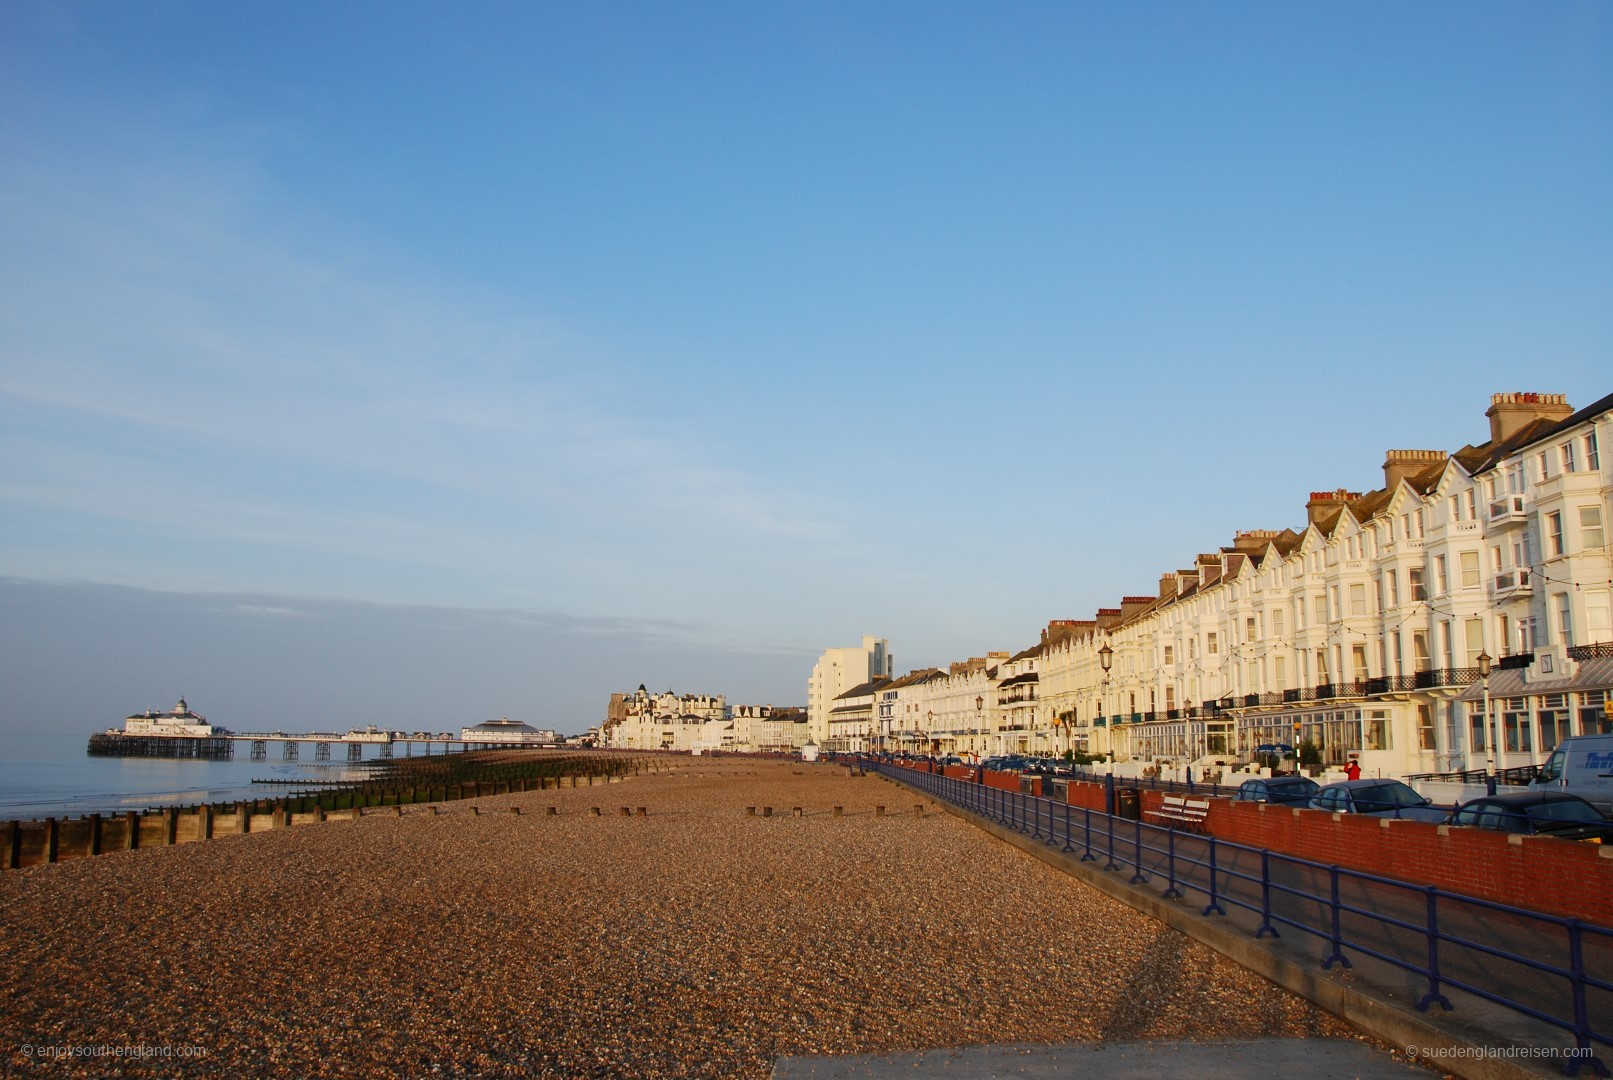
x=1489 y=727
x=1106 y=659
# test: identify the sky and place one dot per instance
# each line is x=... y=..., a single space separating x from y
x=487 y=358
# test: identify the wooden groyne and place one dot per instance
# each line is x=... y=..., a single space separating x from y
x=446 y=778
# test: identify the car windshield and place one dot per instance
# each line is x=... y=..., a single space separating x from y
x=1294 y=785
x=1565 y=810
x=1388 y=796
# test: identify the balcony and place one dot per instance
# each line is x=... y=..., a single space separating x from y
x=1510 y=583
x=1507 y=511
x=1519 y=661
x=1602 y=650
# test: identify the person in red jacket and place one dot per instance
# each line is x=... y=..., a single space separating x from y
x=1352 y=771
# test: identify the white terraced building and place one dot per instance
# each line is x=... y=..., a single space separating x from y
x=1363 y=632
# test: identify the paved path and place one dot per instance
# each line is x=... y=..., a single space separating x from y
x=1313 y=1059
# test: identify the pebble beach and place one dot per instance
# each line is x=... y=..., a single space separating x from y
x=694 y=940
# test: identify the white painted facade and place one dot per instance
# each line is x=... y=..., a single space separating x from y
x=837 y=671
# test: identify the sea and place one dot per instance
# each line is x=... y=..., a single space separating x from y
x=49 y=774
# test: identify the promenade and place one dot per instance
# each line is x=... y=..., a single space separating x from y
x=695 y=940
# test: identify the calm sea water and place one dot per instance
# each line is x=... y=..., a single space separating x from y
x=48 y=774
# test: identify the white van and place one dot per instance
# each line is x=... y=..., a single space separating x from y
x=1581 y=765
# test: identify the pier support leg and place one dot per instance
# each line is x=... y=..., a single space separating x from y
x=322 y=751
x=290 y=751
x=260 y=750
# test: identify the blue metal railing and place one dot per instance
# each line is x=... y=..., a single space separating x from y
x=1444 y=940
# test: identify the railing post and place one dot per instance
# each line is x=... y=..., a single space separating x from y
x=1337 y=955
x=1067 y=848
x=1265 y=926
x=1171 y=892
x=1111 y=864
x=1138 y=877
x=1109 y=794
x=1582 y=1024
x=1088 y=856
x=1036 y=817
x=1433 y=994
x=1215 y=904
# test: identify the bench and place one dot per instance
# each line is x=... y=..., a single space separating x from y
x=1177 y=810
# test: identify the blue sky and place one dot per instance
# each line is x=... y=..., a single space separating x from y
x=751 y=328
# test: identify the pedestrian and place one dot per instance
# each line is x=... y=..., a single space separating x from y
x=1352 y=771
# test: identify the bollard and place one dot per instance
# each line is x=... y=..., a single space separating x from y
x=477 y=810
x=750 y=811
x=319 y=812
x=131 y=840
x=52 y=839
x=644 y=811
x=95 y=834
x=515 y=809
x=397 y=810
x=626 y=811
x=554 y=811
x=767 y=811
x=918 y=810
x=596 y=811
x=14 y=845
x=839 y=810
x=879 y=811
x=796 y=812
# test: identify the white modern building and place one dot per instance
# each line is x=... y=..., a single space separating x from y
x=837 y=671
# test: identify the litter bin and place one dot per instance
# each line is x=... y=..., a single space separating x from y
x=1129 y=804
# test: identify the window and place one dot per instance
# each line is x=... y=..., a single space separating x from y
x=1358 y=599
x=1554 y=533
x=1472 y=505
x=1590 y=528
x=1277 y=627
x=1543 y=459
x=1550 y=721
x=1279 y=671
x=1593 y=460
x=1170 y=654
x=1414 y=578
x=1479 y=737
x=1378 y=736
x=1249 y=633
x=1319 y=603
x=1473 y=629
x=1358 y=660
x=1299 y=614
x=1211 y=646
x=1417 y=519
x=1516 y=728
x=1565 y=620
x=1441 y=581
x=1393 y=578
x=1568 y=457
x=1425 y=728
x=1419 y=650
x=1469 y=561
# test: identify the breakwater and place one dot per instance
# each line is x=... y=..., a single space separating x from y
x=444 y=778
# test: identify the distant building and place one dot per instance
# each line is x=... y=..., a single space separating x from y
x=837 y=671
x=507 y=732
x=178 y=722
x=697 y=723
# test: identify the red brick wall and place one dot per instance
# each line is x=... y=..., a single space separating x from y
x=1559 y=877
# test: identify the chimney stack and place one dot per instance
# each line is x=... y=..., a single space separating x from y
x=1324 y=503
x=1399 y=464
x=1511 y=413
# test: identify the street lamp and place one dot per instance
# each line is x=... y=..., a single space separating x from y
x=1489 y=727
x=1106 y=659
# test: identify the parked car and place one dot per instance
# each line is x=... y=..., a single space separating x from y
x=1290 y=790
x=1380 y=798
x=1539 y=813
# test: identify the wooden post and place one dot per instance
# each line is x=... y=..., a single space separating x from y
x=879 y=811
x=52 y=839
x=95 y=834
x=132 y=841
x=839 y=810
x=206 y=813
x=171 y=826
x=14 y=846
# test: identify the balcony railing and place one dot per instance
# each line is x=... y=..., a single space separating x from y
x=1601 y=650
x=1519 y=661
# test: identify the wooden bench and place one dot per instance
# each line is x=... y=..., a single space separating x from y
x=1177 y=810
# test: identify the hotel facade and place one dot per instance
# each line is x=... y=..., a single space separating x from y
x=1365 y=633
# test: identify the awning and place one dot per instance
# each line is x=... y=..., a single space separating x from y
x=1595 y=674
